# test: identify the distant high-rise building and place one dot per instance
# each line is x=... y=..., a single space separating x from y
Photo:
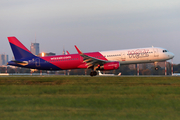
x=3 y=59
x=34 y=48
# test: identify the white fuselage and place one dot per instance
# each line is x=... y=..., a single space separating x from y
x=138 y=55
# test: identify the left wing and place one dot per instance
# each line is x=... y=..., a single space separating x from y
x=91 y=61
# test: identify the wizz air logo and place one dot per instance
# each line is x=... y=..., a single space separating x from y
x=57 y=58
x=139 y=53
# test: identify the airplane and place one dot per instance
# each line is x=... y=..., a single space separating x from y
x=176 y=74
x=104 y=60
x=100 y=74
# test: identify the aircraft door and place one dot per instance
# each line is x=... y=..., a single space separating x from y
x=37 y=62
x=81 y=59
x=156 y=52
x=123 y=56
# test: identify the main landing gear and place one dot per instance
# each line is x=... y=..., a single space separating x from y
x=93 y=73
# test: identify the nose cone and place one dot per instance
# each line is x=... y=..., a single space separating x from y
x=170 y=55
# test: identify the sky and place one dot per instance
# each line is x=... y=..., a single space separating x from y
x=92 y=25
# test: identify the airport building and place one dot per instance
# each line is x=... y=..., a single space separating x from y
x=34 y=48
x=3 y=59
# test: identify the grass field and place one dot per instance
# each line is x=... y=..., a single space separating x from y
x=89 y=98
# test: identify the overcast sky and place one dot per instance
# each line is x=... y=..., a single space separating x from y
x=92 y=25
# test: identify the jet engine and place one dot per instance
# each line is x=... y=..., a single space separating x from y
x=110 y=66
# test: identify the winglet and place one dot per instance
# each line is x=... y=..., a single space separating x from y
x=67 y=52
x=79 y=51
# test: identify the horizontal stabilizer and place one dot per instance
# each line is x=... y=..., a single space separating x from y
x=23 y=63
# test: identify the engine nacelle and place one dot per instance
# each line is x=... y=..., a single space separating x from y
x=110 y=66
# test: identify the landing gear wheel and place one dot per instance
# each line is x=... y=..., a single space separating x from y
x=93 y=73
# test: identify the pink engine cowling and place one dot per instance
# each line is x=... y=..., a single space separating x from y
x=110 y=66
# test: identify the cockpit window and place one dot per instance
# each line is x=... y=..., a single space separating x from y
x=165 y=50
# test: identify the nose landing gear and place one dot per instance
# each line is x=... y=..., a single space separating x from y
x=156 y=68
